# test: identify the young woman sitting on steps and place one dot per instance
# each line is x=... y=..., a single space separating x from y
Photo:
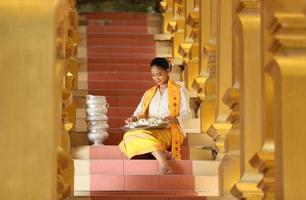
x=168 y=101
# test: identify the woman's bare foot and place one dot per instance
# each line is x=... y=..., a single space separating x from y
x=164 y=167
x=164 y=170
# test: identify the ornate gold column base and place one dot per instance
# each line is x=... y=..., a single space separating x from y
x=250 y=191
x=264 y=161
x=218 y=132
x=229 y=172
x=184 y=48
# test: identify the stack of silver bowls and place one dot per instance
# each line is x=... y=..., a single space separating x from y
x=96 y=111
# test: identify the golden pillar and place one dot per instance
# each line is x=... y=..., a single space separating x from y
x=37 y=38
x=223 y=77
x=227 y=103
x=205 y=82
x=280 y=158
x=264 y=159
x=247 y=29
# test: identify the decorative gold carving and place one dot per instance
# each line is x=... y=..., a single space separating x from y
x=181 y=10
x=73 y=18
x=193 y=21
x=210 y=54
x=250 y=191
x=193 y=54
x=231 y=98
x=172 y=26
x=164 y=5
x=218 y=131
x=284 y=28
x=184 y=48
x=67 y=35
x=264 y=161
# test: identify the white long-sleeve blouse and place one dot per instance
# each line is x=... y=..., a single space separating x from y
x=159 y=106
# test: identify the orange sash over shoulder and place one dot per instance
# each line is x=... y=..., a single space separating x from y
x=174 y=107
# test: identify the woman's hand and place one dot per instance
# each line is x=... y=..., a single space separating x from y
x=171 y=119
x=131 y=119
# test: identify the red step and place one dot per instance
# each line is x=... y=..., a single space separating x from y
x=142 y=183
x=124 y=112
x=115 y=42
x=113 y=152
x=116 y=122
x=117 y=16
x=117 y=92
x=117 y=22
x=132 y=167
x=120 y=60
x=99 y=54
x=115 y=36
x=116 y=29
x=123 y=101
x=120 y=84
x=118 y=67
x=115 y=137
x=142 y=193
x=114 y=75
x=121 y=51
x=145 y=195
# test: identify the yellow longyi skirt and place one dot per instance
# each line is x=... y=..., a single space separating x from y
x=139 y=142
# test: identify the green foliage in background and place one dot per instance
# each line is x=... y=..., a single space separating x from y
x=89 y=6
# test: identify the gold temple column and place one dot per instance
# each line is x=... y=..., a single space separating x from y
x=220 y=127
x=204 y=83
x=37 y=38
x=247 y=29
x=226 y=121
x=286 y=66
x=264 y=159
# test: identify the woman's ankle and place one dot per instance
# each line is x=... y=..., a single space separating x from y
x=164 y=169
x=168 y=155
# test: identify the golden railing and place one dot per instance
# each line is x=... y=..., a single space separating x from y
x=38 y=72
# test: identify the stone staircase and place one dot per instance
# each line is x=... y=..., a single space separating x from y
x=116 y=51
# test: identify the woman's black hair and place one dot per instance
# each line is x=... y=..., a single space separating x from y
x=161 y=63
